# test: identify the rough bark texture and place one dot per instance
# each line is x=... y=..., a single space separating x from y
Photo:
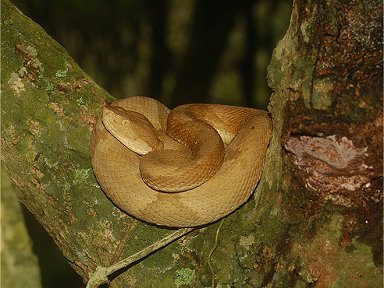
x=327 y=106
x=326 y=74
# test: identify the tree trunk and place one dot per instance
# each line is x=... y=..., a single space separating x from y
x=315 y=218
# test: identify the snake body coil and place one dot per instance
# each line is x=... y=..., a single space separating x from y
x=183 y=167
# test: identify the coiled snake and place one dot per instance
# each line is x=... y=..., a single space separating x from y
x=184 y=167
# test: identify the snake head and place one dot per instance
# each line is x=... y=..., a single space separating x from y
x=132 y=129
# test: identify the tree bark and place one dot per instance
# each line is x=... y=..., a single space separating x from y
x=326 y=74
x=294 y=232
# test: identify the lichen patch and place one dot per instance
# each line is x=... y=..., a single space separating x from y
x=34 y=127
x=247 y=241
x=16 y=83
x=32 y=64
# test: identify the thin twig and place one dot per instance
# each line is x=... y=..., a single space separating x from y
x=100 y=275
x=211 y=252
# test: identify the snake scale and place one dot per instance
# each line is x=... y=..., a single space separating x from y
x=185 y=167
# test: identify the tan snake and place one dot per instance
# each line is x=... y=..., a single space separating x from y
x=184 y=167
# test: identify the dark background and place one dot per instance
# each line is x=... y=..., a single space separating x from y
x=176 y=51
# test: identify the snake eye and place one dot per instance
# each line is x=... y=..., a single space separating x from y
x=116 y=110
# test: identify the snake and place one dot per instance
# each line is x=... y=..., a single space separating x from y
x=185 y=167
